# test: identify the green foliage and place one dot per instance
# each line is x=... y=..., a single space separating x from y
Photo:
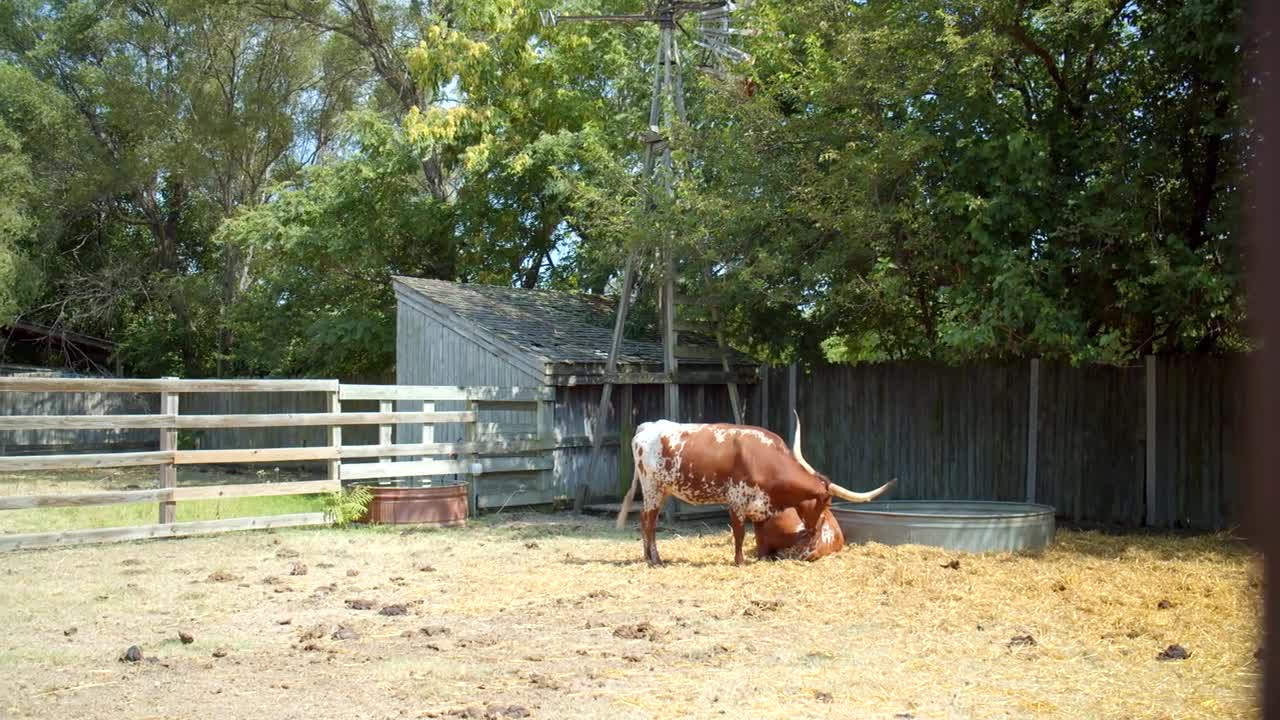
x=16 y=224
x=345 y=506
x=226 y=189
x=984 y=178
x=322 y=253
x=151 y=123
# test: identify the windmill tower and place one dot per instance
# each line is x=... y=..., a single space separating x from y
x=709 y=26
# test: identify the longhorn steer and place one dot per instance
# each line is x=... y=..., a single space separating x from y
x=748 y=469
x=785 y=535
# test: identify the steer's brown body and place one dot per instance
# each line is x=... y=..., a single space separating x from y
x=747 y=469
x=785 y=535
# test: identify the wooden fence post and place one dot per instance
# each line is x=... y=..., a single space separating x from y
x=470 y=436
x=169 y=443
x=428 y=431
x=335 y=437
x=626 y=432
x=385 y=431
x=1033 y=429
x=544 y=423
x=1152 y=516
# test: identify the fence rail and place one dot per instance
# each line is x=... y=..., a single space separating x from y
x=488 y=448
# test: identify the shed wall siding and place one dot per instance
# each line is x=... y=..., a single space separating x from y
x=430 y=353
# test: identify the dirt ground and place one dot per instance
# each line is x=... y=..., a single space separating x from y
x=555 y=616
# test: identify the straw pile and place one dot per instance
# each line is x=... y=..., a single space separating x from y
x=877 y=631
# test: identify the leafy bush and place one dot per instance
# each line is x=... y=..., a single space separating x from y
x=344 y=506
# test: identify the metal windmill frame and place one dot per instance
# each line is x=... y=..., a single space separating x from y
x=714 y=33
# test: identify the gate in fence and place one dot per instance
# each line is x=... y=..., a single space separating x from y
x=487 y=448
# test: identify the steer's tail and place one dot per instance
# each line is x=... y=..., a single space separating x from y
x=626 y=503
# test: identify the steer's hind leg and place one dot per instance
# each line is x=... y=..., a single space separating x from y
x=739 y=532
x=649 y=530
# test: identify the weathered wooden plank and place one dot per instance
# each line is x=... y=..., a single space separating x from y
x=385 y=432
x=373 y=471
x=348 y=452
x=1091 y=439
x=627 y=430
x=469 y=436
x=168 y=475
x=202 y=527
x=256 y=455
x=13 y=404
x=1151 y=425
x=118 y=497
x=85 y=461
x=263 y=404
x=85 y=422
x=214 y=492
x=337 y=419
x=335 y=434
x=113 y=385
x=192 y=422
x=444 y=393
x=1033 y=432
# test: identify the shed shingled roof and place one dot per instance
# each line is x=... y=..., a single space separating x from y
x=555 y=325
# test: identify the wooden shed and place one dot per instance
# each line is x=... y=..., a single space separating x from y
x=466 y=334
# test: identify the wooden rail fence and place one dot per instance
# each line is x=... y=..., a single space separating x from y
x=484 y=450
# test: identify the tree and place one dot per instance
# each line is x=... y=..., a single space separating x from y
x=323 y=251
x=15 y=223
x=986 y=178
x=184 y=113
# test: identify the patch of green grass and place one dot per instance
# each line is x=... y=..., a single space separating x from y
x=124 y=515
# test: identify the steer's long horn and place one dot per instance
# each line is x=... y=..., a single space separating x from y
x=795 y=447
x=861 y=497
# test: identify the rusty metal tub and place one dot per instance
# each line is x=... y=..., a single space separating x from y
x=963 y=525
x=439 y=504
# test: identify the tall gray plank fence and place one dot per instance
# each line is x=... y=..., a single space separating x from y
x=1154 y=444
x=918 y=422
x=19 y=442
x=1200 y=406
x=1090 y=443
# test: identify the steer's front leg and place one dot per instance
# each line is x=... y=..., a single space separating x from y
x=739 y=532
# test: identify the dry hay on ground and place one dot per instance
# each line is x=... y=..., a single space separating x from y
x=557 y=617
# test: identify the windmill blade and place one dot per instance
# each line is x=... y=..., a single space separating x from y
x=728 y=31
x=723 y=50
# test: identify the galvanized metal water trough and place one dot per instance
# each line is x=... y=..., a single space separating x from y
x=963 y=525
